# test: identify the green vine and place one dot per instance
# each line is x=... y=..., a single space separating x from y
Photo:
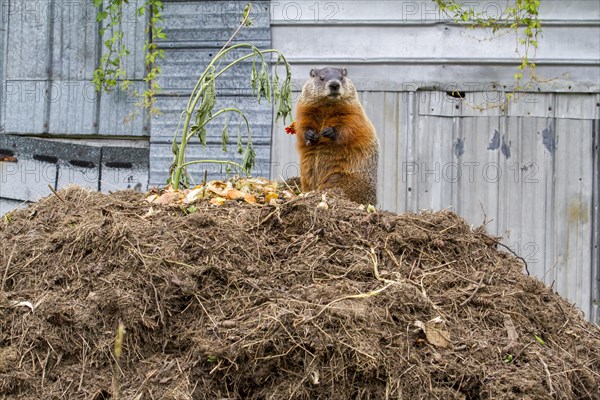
x=111 y=71
x=153 y=53
x=519 y=16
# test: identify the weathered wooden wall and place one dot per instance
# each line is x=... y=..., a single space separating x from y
x=54 y=126
x=530 y=172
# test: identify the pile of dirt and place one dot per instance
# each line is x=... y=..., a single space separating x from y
x=304 y=299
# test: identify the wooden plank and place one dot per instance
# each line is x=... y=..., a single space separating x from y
x=120 y=114
x=523 y=196
x=573 y=210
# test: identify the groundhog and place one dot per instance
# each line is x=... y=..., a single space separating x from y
x=337 y=142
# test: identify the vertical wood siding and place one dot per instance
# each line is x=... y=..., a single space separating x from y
x=530 y=173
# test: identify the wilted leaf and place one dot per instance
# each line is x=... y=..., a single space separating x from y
x=22 y=304
x=218 y=187
x=167 y=198
x=249 y=198
x=511 y=332
x=234 y=194
x=194 y=195
x=435 y=332
x=217 y=201
x=257 y=181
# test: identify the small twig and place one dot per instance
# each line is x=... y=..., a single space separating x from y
x=84 y=348
x=513 y=253
x=204 y=181
x=376 y=268
x=548 y=375
x=390 y=254
x=354 y=296
x=474 y=292
x=43 y=366
x=160 y=312
x=265 y=219
x=357 y=350
x=216 y=367
x=291 y=338
x=297 y=190
x=206 y=312
x=7 y=265
x=56 y=194
x=242 y=24
x=142 y=255
x=448 y=228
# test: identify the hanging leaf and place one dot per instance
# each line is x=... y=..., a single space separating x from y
x=254 y=77
x=265 y=83
x=249 y=157
x=246 y=15
x=240 y=148
x=225 y=134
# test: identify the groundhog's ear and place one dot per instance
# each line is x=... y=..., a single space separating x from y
x=313 y=73
x=344 y=72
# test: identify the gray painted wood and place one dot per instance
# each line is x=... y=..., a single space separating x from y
x=529 y=172
x=42 y=164
x=398 y=45
x=529 y=185
x=3 y=28
x=52 y=49
x=123 y=168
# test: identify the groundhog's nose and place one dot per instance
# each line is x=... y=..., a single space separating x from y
x=335 y=86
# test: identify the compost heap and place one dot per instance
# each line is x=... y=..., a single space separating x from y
x=111 y=297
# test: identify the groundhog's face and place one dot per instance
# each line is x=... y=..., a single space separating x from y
x=330 y=83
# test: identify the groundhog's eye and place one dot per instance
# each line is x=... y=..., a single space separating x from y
x=322 y=78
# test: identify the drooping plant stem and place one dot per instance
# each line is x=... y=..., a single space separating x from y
x=203 y=98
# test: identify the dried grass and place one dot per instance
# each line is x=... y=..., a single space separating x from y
x=276 y=302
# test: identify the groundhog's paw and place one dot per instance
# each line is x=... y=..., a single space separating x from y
x=311 y=136
x=329 y=132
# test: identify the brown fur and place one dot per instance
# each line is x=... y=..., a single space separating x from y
x=348 y=161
